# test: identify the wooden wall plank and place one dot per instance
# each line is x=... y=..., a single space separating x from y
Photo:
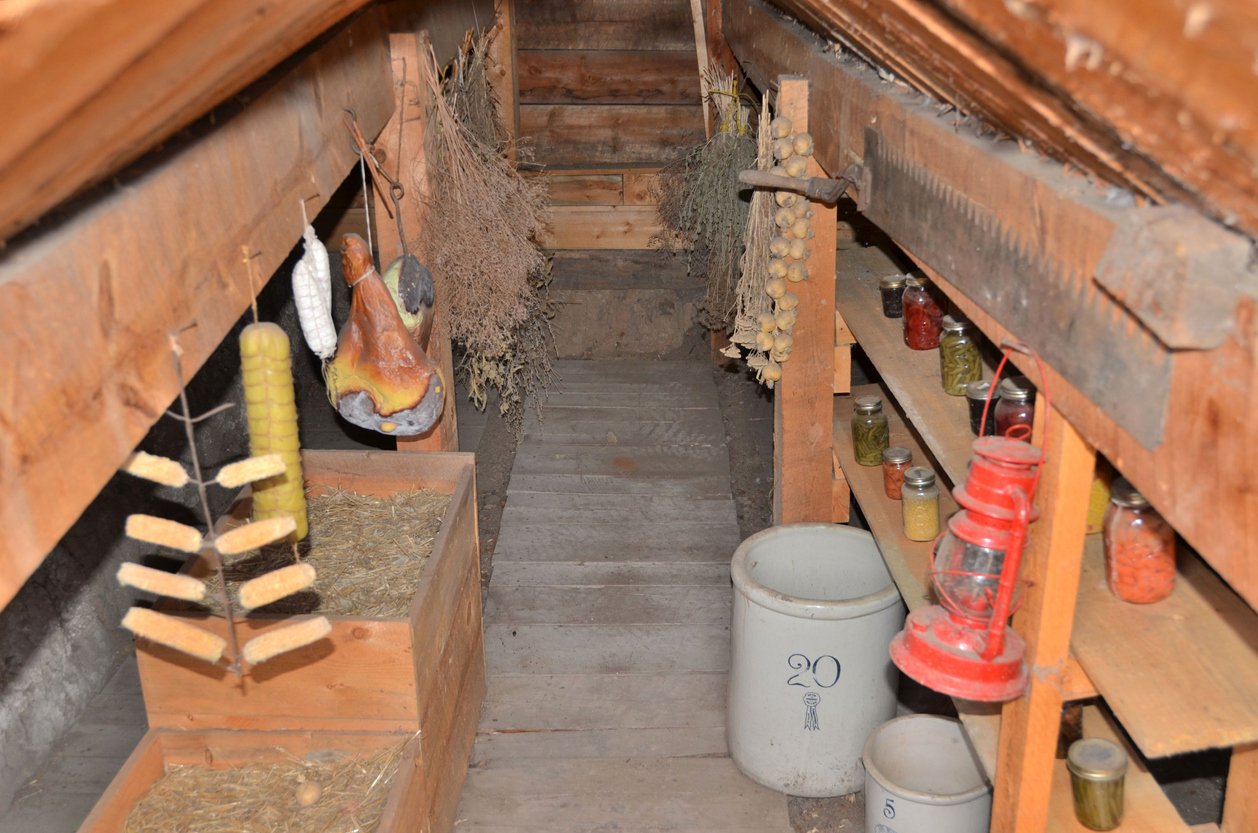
x=601 y=227
x=410 y=169
x=1030 y=725
x=585 y=189
x=87 y=307
x=605 y=24
x=503 y=72
x=569 y=76
x=94 y=85
x=803 y=405
x=610 y=134
x=1198 y=477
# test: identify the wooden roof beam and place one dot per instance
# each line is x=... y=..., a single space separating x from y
x=85 y=309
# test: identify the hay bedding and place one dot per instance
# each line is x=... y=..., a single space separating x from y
x=369 y=553
x=262 y=798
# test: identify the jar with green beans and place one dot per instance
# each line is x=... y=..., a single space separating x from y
x=1098 y=768
x=958 y=355
x=870 y=433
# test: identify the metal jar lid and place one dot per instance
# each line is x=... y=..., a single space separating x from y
x=955 y=323
x=978 y=390
x=891 y=282
x=914 y=280
x=868 y=404
x=1096 y=759
x=1125 y=494
x=919 y=476
x=896 y=454
x=1016 y=389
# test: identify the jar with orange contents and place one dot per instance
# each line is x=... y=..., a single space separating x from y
x=1139 y=547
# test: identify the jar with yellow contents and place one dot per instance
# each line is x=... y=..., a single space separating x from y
x=919 y=502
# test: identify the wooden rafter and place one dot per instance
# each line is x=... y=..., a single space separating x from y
x=85 y=309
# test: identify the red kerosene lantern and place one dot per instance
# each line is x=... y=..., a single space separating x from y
x=964 y=646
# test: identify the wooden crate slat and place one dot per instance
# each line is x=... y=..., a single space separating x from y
x=571 y=76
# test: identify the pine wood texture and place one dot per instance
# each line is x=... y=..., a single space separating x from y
x=1030 y=725
x=1181 y=674
x=1240 y=806
x=224 y=749
x=404 y=159
x=128 y=74
x=611 y=135
x=608 y=618
x=577 y=76
x=601 y=227
x=89 y=305
x=503 y=70
x=1196 y=478
x=803 y=410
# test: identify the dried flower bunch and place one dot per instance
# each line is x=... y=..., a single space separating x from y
x=702 y=206
x=481 y=223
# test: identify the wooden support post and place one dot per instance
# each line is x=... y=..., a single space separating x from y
x=1030 y=725
x=1240 y=805
x=803 y=405
x=502 y=75
x=840 y=494
x=843 y=341
x=409 y=168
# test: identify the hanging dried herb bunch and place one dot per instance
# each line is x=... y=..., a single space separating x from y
x=702 y=207
x=754 y=307
x=479 y=229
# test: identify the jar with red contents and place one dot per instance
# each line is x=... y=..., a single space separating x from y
x=1139 y=547
x=1016 y=406
x=895 y=462
x=923 y=317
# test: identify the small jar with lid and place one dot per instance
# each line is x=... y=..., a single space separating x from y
x=892 y=289
x=870 y=433
x=1016 y=406
x=923 y=317
x=1098 y=770
x=919 y=504
x=959 y=358
x=895 y=462
x=976 y=397
x=1139 y=547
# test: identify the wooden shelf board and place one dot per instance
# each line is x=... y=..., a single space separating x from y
x=912 y=376
x=1146 y=807
x=1181 y=674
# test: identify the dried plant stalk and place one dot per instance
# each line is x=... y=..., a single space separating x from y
x=702 y=206
x=752 y=300
x=481 y=221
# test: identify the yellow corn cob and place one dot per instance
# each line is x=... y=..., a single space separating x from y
x=160 y=582
x=158 y=469
x=163 y=532
x=251 y=469
x=276 y=642
x=171 y=632
x=272 y=412
x=254 y=535
x=276 y=585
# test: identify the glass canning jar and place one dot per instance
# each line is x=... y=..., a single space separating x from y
x=895 y=462
x=923 y=317
x=1016 y=406
x=1098 y=770
x=1139 y=547
x=920 y=504
x=976 y=397
x=959 y=358
x=870 y=433
x=892 y=290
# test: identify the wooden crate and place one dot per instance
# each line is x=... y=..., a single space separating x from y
x=222 y=749
x=424 y=672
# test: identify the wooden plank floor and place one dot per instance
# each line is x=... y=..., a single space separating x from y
x=607 y=620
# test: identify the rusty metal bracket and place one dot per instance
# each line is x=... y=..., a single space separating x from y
x=1079 y=330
